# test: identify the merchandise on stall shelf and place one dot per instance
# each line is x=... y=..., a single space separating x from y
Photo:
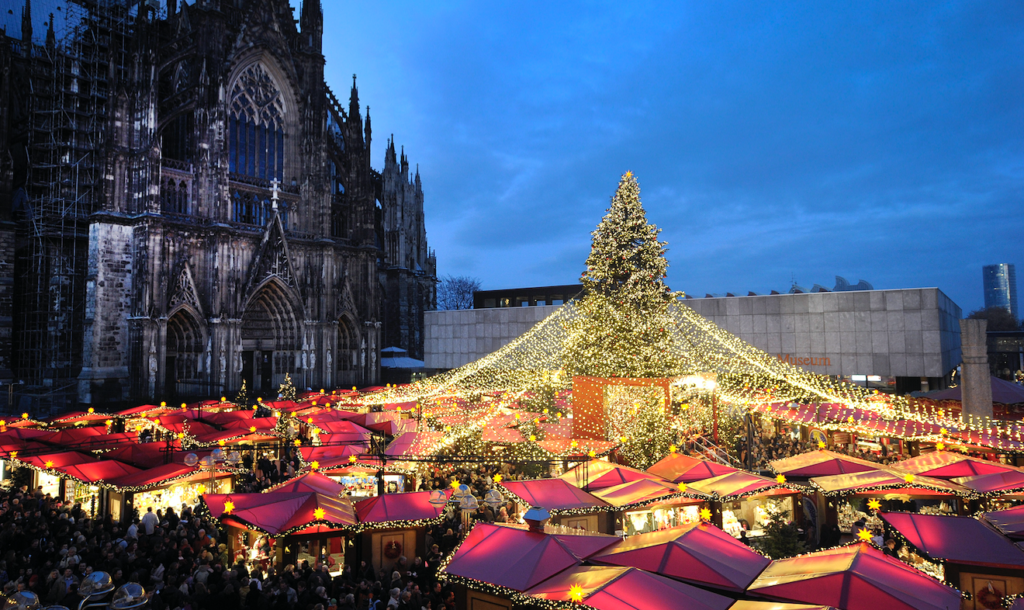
x=941 y=509
x=178 y=494
x=848 y=515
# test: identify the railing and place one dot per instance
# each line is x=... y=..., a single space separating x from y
x=713 y=452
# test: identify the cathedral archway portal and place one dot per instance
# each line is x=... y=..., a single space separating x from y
x=270 y=336
x=347 y=354
x=183 y=356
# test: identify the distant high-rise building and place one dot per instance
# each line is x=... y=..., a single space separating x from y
x=1000 y=287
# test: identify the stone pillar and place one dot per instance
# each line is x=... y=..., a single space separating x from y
x=976 y=378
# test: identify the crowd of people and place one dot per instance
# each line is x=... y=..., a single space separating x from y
x=48 y=548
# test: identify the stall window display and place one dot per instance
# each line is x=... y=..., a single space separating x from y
x=651 y=520
x=78 y=493
x=751 y=514
x=362 y=486
x=49 y=483
x=852 y=512
x=175 y=495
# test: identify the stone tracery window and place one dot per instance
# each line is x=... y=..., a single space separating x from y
x=256 y=125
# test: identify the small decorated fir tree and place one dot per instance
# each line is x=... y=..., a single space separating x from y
x=287 y=390
x=781 y=538
x=624 y=328
x=242 y=399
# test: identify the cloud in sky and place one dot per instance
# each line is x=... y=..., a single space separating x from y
x=772 y=141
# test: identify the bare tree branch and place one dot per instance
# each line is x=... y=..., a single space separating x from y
x=456 y=292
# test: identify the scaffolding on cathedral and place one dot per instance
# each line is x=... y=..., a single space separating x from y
x=72 y=77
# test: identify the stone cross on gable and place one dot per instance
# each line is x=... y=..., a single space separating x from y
x=273 y=197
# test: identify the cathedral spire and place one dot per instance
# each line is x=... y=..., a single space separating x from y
x=353 y=100
x=311 y=23
x=367 y=130
x=26 y=26
x=51 y=37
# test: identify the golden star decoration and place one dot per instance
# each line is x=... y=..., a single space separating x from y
x=252 y=428
x=940 y=446
x=781 y=479
x=874 y=504
x=592 y=453
x=228 y=507
x=351 y=459
x=201 y=489
x=318 y=514
x=864 y=535
x=705 y=514
x=909 y=478
x=943 y=431
x=181 y=435
x=297 y=442
x=14 y=454
x=672 y=448
x=533 y=437
x=821 y=444
x=49 y=464
x=682 y=487
x=574 y=444
x=314 y=465
x=496 y=478
x=454 y=485
x=92 y=410
x=576 y=593
x=221 y=442
x=629 y=174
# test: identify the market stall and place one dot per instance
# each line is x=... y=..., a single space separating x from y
x=820 y=463
x=698 y=553
x=746 y=501
x=1009 y=522
x=395 y=525
x=950 y=465
x=592 y=475
x=161 y=487
x=850 y=495
x=853 y=577
x=964 y=552
x=647 y=505
x=298 y=526
x=568 y=505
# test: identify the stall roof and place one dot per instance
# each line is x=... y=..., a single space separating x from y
x=553 y=495
x=820 y=463
x=740 y=483
x=332 y=455
x=997 y=483
x=57 y=460
x=964 y=540
x=158 y=476
x=518 y=559
x=495 y=434
x=744 y=604
x=415 y=443
x=1003 y=392
x=882 y=482
x=680 y=468
x=699 y=553
x=309 y=481
x=853 y=577
x=641 y=492
x=95 y=472
x=412 y=508
x=342 y=426
x=625 y=588
x=284 y=513
x=598 y=474
x=1010 y=522
x=143 y=455
x=949 y=465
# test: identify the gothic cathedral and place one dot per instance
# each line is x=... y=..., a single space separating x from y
x=235 y=229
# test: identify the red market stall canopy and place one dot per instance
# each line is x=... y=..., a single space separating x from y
x=415 y=444
x=679 y=468
x=260 y=423
x=755 y=605
x=741 y=484
x=854 y=577
x=283 y=513
x=949 y=465
x=160 y=476
x=619 y=588
x=559 y=430
x=820 y=463
x=9 y=447
x=22 y=434
x=517 y=559
x=309 y=482
x=1003 y=392
x=505 y=436
x=72 y=437
x=57 y=460
x=331 y=455
x=1010 y=522
x=343 y=426
x=698 y=553
x=963 y=540
x=886 y=483
x=97 y=472
x=398 y=510
x=553 y=495
x=598 y=474
x=143 y=455
x=995 y=484
x=643 y=492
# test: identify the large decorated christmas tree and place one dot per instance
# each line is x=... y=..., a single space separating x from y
x=624 y=328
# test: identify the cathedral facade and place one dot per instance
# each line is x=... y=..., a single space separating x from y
x=238 y=231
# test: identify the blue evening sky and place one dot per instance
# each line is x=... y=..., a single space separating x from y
x=772 y=140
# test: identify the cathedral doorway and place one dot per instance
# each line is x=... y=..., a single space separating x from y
x=183 y=354
x=347 y=370
x=270 y=337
